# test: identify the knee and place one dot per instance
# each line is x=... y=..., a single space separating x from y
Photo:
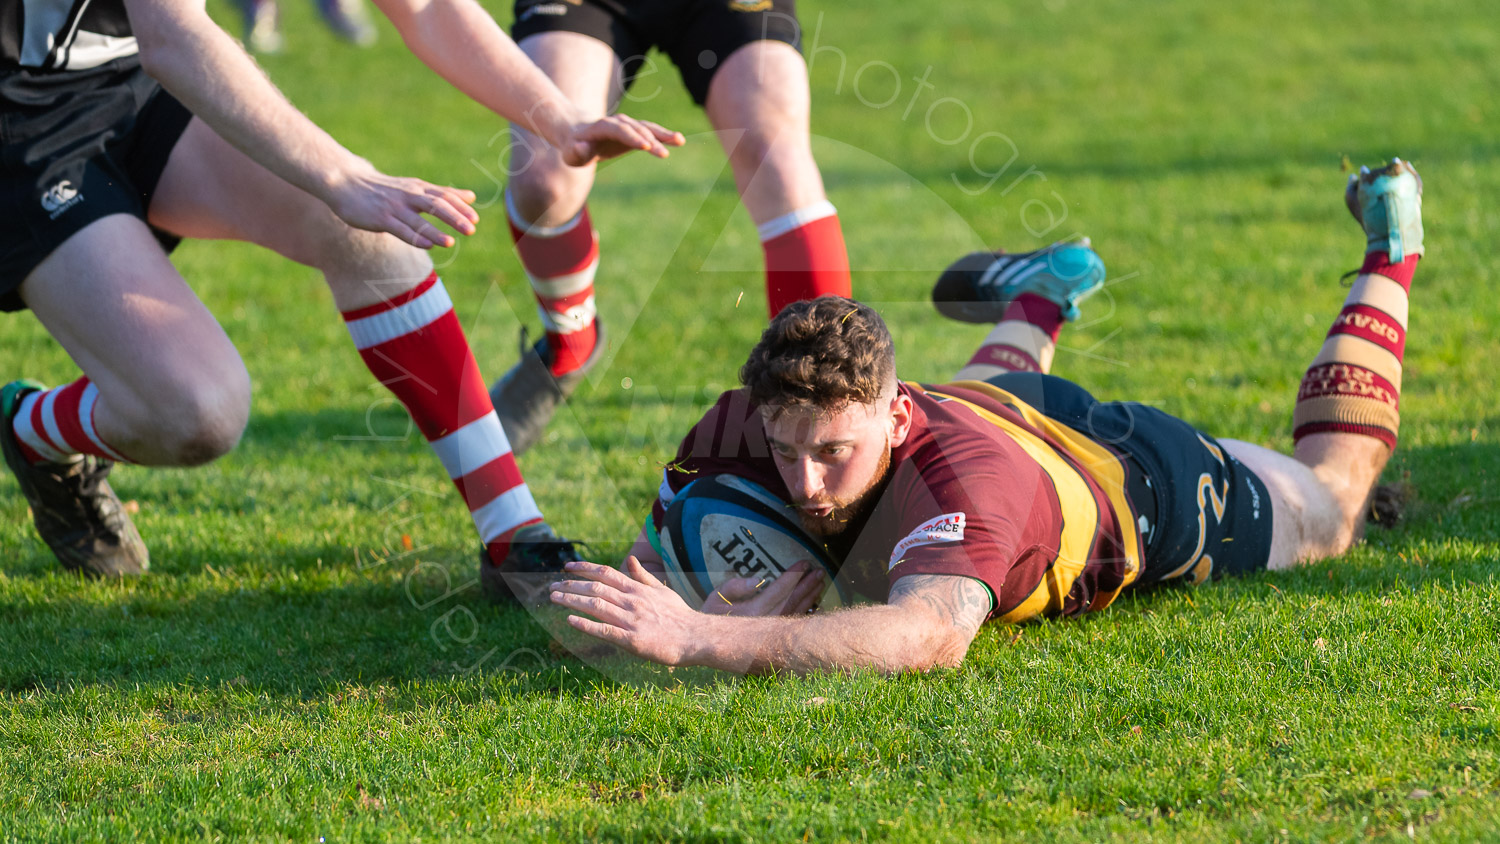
x=547 y=192
x=1336 y=540
x=195 y=420
x=757 y=150
x=211 y=422
x=1330 y=530
x=310 y=233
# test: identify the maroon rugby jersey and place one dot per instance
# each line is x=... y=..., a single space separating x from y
x=985 y=486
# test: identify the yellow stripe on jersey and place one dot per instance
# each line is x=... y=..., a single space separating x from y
x=1078 y=534
x=1078 y=531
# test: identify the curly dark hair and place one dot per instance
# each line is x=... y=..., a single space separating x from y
x=825 y=354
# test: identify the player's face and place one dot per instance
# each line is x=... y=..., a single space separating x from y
x=834 y=464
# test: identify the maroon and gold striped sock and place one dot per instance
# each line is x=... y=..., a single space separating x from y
x=1354 y=384
x=1023 y=341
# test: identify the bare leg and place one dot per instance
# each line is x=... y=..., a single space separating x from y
x=172 y=389
x=543 y=190
x=212 y=191
x=760 y=104
x=1346 y=418
x=398 y=313
x=1318 y=498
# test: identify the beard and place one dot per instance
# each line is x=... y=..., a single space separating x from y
x=848 y=511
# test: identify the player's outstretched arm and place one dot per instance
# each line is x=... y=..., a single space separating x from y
x=929 y=622
x=201 y=65
x=459 y=40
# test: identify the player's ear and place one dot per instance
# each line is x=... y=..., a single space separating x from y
x=901 y=418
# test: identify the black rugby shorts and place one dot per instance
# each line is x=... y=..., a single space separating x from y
x=76 y=146
x=1202 y=513
x=697 y=35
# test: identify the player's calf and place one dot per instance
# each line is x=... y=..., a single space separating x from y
x=560 y=263
x=1354 y=384
x=1347 y=412
x=799 y=229
x=805 y=255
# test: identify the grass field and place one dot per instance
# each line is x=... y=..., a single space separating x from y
x=302 y=664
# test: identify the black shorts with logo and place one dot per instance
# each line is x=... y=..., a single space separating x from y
x=77 y=146
x=1203 y=513
x=697 y=35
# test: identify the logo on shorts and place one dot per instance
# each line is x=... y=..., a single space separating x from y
x=59 y=198
x=555 y=9
x=945 y=528
x=749 y=5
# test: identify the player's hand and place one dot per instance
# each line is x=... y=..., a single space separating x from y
x=373 y=201
x=615 y=135
x=796 y=591
x=634 y=610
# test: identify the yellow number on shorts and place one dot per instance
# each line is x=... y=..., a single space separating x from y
x=1201 y=564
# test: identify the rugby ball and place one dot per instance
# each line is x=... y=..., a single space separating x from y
x=722 y=526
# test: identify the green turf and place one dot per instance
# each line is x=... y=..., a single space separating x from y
x=292 y=671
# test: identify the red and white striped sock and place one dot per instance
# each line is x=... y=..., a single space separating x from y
x=1023 y=341
x=415 y=346
x=805 y=256
x=560 y=263
x=57 y=425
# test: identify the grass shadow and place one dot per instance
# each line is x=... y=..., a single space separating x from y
x=280 y=631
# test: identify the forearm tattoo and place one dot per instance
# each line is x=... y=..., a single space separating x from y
x=963 y=601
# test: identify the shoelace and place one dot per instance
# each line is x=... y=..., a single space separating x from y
x=88 y=486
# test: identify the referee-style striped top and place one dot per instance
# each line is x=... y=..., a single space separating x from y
x=63 y=34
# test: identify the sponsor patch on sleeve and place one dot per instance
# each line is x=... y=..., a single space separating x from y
x=945 y=528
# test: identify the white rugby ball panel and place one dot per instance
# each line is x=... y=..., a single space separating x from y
x=723 y=526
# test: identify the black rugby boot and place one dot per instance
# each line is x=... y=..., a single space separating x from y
x=76 y=512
